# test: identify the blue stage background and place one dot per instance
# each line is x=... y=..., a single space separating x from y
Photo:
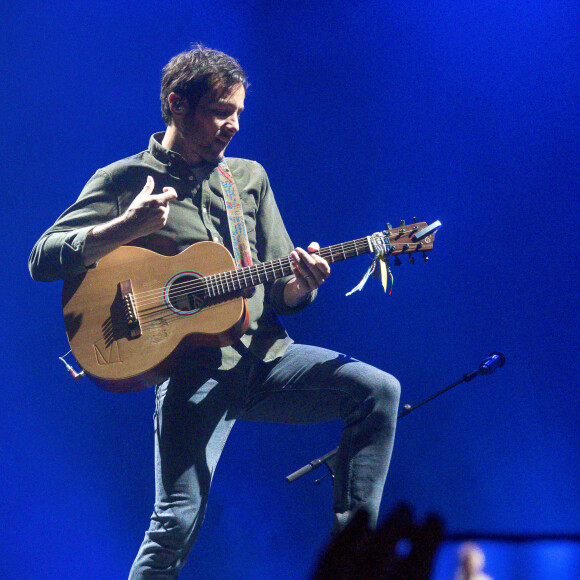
x=362 y=113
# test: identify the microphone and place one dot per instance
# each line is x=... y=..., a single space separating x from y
x=494 y=361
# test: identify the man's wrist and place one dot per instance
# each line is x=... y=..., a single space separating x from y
x=293 y=294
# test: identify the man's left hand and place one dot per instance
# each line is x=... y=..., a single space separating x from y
x=310 y=271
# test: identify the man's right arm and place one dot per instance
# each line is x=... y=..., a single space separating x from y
x=83 y=235
x=146 y=214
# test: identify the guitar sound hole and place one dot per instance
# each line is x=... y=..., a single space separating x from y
x=184 y=294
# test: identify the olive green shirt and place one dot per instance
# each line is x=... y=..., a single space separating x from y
x=198 y=214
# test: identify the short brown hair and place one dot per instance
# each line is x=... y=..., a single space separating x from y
x=195 y=72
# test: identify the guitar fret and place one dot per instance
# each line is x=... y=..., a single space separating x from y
x=248 y=276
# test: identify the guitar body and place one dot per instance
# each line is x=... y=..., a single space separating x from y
x=132 y=318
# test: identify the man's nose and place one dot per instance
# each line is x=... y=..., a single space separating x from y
x=232 y=125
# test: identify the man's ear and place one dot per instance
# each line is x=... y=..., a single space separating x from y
x=178 y=105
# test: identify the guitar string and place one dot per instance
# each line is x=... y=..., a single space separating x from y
x=220 y=283
x=220 y=279
x=324 y=252
x=221 y=287
x=150 y=315
x=246 y=270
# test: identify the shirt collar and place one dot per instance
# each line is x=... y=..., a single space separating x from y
x=176 y=163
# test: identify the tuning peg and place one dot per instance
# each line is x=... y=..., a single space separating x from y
x=425 y=257
x=414 y=220
x=402 y=222
x=389 y=226
x=397 y=261
x=411 y=259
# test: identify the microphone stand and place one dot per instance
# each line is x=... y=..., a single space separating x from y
x=493 y=361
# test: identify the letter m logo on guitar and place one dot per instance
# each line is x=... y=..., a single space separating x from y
x=106 y=353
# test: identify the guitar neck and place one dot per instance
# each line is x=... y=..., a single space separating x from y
x=249 y=276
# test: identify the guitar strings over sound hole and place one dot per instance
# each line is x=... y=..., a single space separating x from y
x=184 y=293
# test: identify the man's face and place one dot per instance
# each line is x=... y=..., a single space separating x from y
x=214 y=122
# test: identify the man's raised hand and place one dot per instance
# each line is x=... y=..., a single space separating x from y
x=148 y=212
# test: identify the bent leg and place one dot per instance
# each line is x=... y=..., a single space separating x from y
x=311 y=385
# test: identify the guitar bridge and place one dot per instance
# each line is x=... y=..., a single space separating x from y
x=130 y=315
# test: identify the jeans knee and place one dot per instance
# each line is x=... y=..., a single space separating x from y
x=376 y=398
x=387 y=391
x=383 y=401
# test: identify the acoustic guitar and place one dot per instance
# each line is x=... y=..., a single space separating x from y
x=130 y=319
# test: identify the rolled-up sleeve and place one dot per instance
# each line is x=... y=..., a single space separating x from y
x=58 y=254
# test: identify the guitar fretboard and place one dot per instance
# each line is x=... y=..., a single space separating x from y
x=249 y=276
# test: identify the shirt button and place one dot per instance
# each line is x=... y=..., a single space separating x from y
x=190 y=178
x=216 y=239
x=204 y=210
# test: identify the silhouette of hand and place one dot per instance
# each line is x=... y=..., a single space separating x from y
x=398 y=550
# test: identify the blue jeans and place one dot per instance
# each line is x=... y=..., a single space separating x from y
x=196 y=409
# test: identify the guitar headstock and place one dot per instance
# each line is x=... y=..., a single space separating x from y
x=410 y=239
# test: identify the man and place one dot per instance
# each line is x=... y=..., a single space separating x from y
x=167 y=198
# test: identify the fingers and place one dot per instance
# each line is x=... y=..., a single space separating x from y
x=169 y=194
x=148 y=212
x=146 y=194
x=147 y=188
x=310 y=269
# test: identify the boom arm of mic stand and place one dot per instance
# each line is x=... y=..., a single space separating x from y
x=465 y=379
x=316 y=463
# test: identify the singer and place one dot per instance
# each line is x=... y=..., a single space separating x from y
x=166 y=198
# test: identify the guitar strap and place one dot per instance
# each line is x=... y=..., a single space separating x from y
x=238 y=233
